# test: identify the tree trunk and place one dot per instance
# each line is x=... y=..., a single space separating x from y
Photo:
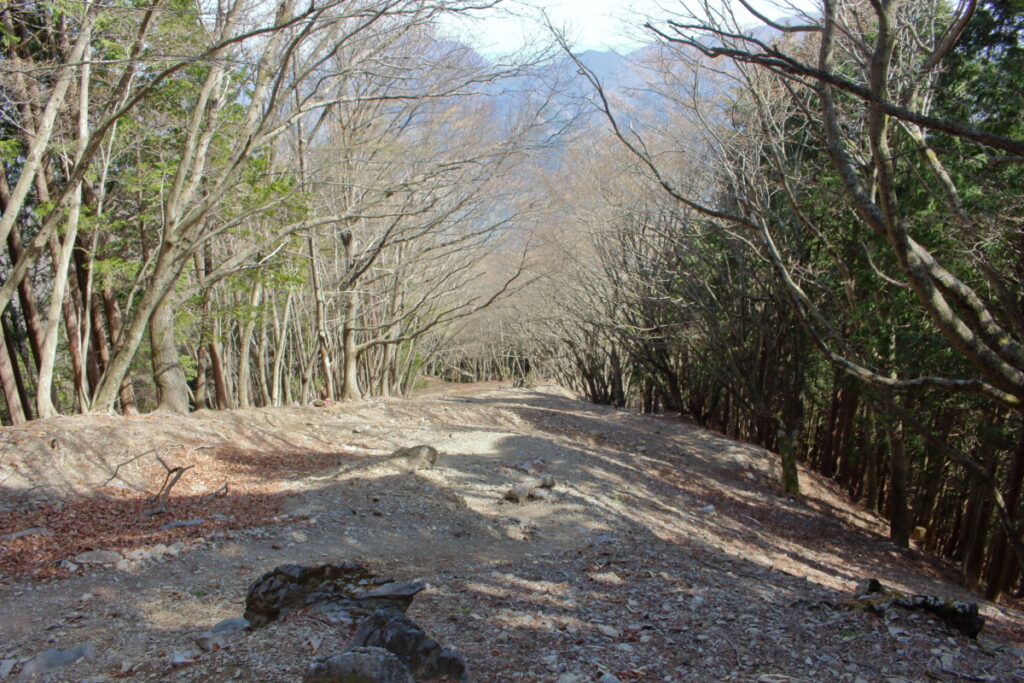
x=320 y=320
x=202 y=365
x=168 y=375
x=262 y=359
x=15 y=408
x=350 y=350
x=97 y=355
x=899 y=514
x=216 y=364
x=281 y=337
x=113 y=313
x=1004 y=564
x=244 y=344
x=27 y=300
x=44 y=406
x=11 y=345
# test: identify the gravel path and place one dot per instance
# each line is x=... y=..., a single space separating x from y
x=664 y=554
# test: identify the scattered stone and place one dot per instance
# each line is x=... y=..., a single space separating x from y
x=52 y=659
x=230 y=625
x=415 y=457
x=871 y=596
x=609 y=631
x=222 y=634
x=707 y=509
x=571 y=677
x=398 y=634
x=608 y=678
x=34 y=531
x=401 y=593
x=182 y=658
x=182 y=524
x=98 y=557
x=344 y=591
x=527 y=490
x=7 y=666
x=359 y=665
x=542 y=494
x=531 y=466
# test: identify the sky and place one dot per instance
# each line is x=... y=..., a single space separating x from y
x=590 y=24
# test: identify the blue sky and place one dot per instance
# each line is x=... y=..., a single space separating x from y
x=590 y=24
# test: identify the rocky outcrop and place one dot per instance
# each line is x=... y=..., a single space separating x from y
x=425 y=657
x=343 y=592
x=359 y=665
x=388 y=647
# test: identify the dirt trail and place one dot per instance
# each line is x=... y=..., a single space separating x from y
x=665 y=554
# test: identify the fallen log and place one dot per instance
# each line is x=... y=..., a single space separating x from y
x=871 y=596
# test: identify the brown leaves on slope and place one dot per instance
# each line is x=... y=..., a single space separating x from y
x=115 y=519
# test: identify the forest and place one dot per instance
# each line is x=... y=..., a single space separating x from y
x=807 y=234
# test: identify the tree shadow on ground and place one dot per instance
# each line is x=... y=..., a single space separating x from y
x=626 y=572
x=695 y=468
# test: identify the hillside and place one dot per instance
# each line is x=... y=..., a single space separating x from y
x=664 y=553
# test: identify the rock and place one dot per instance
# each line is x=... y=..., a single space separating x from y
x=400 y=593
x=526 y=490
x=608 y=678
x=182 y=658
x=415 y=457
x=98 y=557
x=222 y=634
x=867 y=587
x=707 y=509
x=346 y=590
x=542 y=494
x=359 y=665
x=34 y=531
x=872 y=596
x=531 y=466
x=52 y=659
x=230 y=625
x=182 y=523
x=609 y=631
x=7 y=666
x=571 y=677
x=398 y=634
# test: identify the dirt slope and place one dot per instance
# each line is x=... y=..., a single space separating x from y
x=665 y=554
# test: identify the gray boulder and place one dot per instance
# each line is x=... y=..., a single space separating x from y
x=222 y=634
x=343 y=592
x=415 y=457
x=53 y=659
x=292 y=586
x=400 y=635
x=359 y=665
